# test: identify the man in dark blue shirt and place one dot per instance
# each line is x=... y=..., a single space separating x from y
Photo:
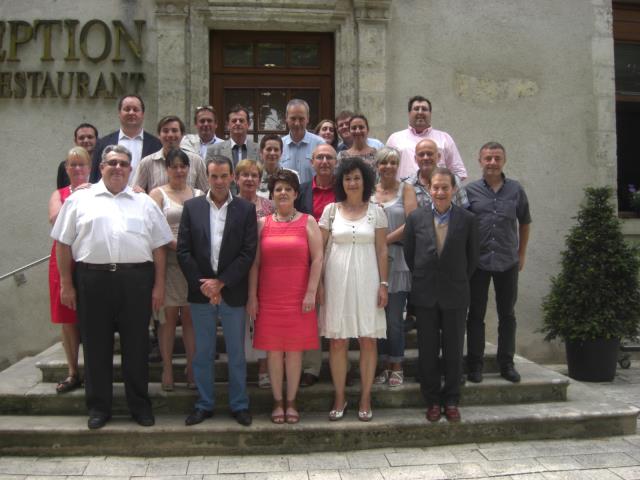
x=502 y=209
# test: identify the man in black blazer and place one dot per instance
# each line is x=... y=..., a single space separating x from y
x=139 y=142
x=216 y=247
x=441 y=249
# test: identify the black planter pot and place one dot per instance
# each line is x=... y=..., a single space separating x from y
x=592 y=360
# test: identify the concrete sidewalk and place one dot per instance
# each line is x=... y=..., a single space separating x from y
x=597 y=459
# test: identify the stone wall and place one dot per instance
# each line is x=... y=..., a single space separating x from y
x=536 y=76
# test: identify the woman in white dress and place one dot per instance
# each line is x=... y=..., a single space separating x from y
x=355 y=280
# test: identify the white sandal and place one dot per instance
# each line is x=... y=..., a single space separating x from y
x=263 y=380
x=396 y=378
x=382 y=378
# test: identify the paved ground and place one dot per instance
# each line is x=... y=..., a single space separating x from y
x=597 y=459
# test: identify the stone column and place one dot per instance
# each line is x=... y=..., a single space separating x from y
x=172 y=58
x=603 y=137
x=372 y=17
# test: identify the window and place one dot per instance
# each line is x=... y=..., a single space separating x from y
x=626 y=33
x=264 y=70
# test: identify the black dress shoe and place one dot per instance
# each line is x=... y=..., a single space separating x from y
x=198 y=416
x=510 y=373
x=243 y=417
x=144 y=420
x=475 y=376
x=308 y=380
x=97 y=420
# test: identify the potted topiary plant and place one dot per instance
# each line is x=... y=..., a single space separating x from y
x=594 y=301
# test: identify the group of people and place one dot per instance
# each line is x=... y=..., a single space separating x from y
x=283 y=242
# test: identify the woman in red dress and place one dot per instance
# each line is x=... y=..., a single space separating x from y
x=77 y=166
x=282 y=291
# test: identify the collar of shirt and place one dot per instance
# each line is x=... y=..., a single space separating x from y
x=210 y=142
x=212 y=203
x=423 y=133
x=504 y=180
x=101 y=189
x=315 y=186
x=233 y=144
x=140 y=135
x=441 y=218
x=288 y=140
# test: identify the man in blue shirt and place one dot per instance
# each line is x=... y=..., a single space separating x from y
x=502 y=209
x=299 y=144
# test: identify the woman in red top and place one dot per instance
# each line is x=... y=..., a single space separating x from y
x=282 y=291
x=78 y=167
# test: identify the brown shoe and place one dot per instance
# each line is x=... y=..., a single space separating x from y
x=452 y=413
x=308 y=380
x=434 y=413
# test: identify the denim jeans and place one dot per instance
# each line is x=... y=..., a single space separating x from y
x=391 y=349
x=205 y=318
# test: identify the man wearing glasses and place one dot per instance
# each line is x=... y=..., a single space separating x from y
x=206 y=122
x=116 y=237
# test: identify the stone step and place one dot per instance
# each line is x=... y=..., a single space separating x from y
x=411 y=342
x=537 y=385
x=390 y=428
x=28 y=427
x=54 y=367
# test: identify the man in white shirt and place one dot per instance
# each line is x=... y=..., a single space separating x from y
x=131 y=135
x=117 y=238
x=206 y=122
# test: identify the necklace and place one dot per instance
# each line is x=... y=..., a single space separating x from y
x=286 y=220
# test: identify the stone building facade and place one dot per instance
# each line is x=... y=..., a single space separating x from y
x=536 y=76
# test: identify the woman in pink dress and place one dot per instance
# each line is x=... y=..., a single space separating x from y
x=78 y=167
x=282 y=291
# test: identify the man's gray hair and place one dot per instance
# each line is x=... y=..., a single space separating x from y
x=117 y=149
x=295 y=102
x=219 y=160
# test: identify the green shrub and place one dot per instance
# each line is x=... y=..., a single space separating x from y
x=596 y=294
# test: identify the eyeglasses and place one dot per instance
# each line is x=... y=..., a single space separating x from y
x=118 y=163
x=323 y=156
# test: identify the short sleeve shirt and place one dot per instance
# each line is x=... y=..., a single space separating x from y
x=499 y=214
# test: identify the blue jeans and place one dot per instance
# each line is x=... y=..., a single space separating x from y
x=391 y=349
x=205 y=319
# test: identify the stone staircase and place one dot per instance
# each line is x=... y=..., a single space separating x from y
x=34 y=420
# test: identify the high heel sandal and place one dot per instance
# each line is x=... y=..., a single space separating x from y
x=166 y=386
x=365 y=415
x=292 y=416
x=335 y=415
x=278 y=418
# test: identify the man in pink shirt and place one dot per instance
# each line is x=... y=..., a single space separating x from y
x=419 y=129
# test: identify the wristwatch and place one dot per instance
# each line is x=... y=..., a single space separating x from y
x=386 y=284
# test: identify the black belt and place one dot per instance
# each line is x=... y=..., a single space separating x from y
x=112 y=267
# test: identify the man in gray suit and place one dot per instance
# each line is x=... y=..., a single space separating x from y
x=441 y=249
x=238 y=146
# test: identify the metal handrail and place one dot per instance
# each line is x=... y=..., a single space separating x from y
x=25 y=267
